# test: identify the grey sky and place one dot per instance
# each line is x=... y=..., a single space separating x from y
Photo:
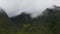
x=35 y=7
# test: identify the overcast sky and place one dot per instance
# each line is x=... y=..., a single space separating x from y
x=35 y=7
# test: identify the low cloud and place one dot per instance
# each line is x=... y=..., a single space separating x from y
x=34 y=7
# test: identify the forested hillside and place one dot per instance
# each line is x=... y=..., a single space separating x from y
x=48 y=23
x=6 y=25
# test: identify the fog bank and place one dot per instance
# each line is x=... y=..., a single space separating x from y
x=34 y=7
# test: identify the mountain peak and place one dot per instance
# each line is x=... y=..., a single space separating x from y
x=2 y=12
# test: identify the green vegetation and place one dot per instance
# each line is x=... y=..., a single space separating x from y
x=6 y=25
x=48 y=23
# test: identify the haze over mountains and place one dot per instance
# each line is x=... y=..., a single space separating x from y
x=47 y=23
x=15 y=7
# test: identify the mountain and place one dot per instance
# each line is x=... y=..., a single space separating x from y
x=51 y=18
x=22 y=19
x=48 y=23
x=6 y=25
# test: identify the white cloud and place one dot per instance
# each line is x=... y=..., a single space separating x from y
x=14 y=7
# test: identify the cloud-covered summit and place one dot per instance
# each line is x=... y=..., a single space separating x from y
x=15 y=7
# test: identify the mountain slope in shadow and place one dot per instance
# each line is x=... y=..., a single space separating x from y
x=22 y=19
x=48 y=23
x=6 y=25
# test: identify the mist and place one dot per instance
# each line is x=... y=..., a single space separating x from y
x=34 y=7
